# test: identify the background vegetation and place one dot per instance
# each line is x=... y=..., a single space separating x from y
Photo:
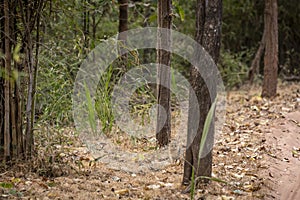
x=65 y=44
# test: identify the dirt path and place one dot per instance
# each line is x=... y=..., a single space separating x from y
x=283 y=173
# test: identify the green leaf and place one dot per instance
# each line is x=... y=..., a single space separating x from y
x=180 y=12
x=6 y=185
x=206 y=128
x=192 y=195
x=52 y=184
x=16 y=53
x=153 y=18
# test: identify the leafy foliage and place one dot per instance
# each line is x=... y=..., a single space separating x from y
x=234 y=68
x=64 y=47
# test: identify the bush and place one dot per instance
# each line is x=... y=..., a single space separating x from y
x=233 y=67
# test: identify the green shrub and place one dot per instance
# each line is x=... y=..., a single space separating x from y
x=233 y=67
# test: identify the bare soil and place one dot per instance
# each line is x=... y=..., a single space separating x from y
x=283 y=173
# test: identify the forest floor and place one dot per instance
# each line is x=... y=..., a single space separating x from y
x=257 y=155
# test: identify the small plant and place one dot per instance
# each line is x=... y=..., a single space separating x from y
x=103 y=103
x=206 y=127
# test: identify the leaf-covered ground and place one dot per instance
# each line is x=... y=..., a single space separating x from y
x=257 y=155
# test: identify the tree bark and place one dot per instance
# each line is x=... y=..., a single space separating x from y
x=123 y=18
x=163 y=131
x=271 y=52
x=208 y=34
x=256 y=61
x=122 y=37
x=7 y=139
x=2 y=68
x=147 y=52
x=29 y=119
x=13 y=86
x=86 y=25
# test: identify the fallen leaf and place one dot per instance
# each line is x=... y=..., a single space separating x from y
x=152 y=187
x=122 y=192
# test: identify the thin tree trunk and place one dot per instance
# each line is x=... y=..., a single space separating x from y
x=86 y=25
x=7 y=138
x=94 y=25
x=29 y=105
x=163 y=131
x=13 y=102
x=194 y=79
x=19 y=115
x=256 y=61
x=123 y=19
x=30 y=68
x=123 y=27
x=14 y=139
x=208 y=34
x=36 y=63
x=146 y=52
x=271 y=52
x=2 y=67
x=31 y=64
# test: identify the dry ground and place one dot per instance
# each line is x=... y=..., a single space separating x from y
x=257 y=154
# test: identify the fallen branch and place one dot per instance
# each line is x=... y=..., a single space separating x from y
x=291 y=78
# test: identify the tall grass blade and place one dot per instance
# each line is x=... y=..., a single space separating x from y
x=91 y=110
x=206 y=127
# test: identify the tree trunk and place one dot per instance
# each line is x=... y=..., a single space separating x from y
x=15 y=132
x=256 y=61
x=94 y=24
x=123 y=18
x=20 y=20
x=86 y=25
x=147 y=52
x=122 y=37
x=208 y=34
x=163 y=131
x=32 y=63
x=123 y=27
x=7 y=139
x=2 y=68
x=29 y=119
x=271 y=52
